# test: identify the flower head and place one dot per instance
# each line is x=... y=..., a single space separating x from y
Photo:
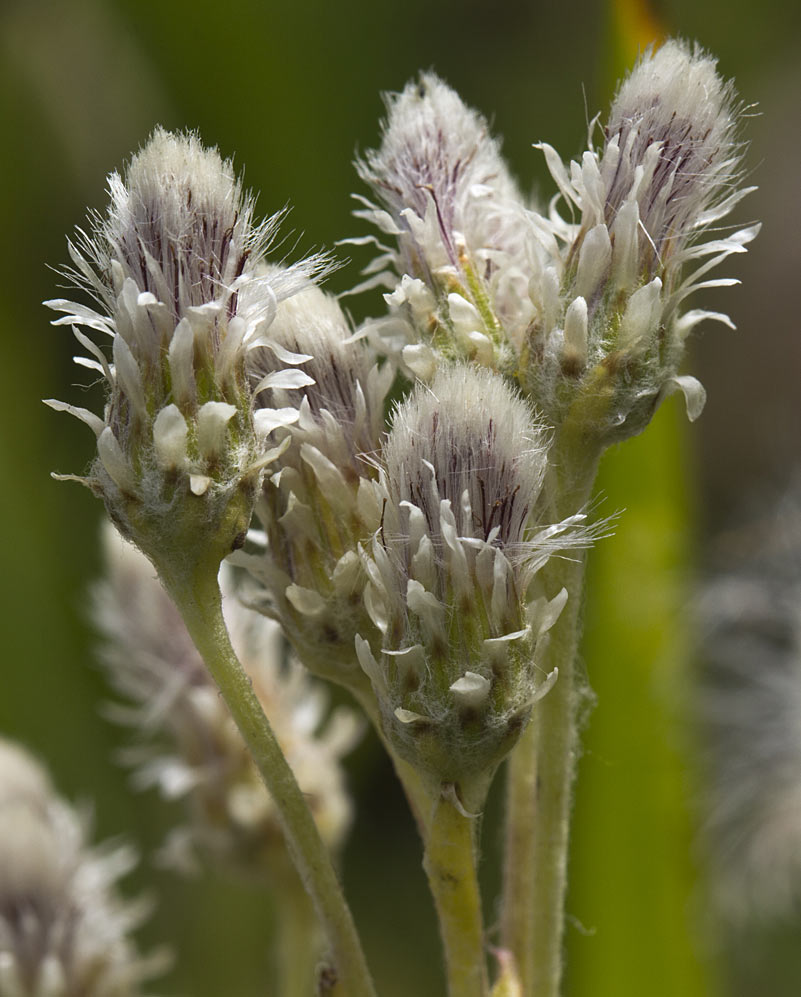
x=463 y=235
x=453 y=576
x=314 y=509
x=187 y=744
x=436 y=161
x=174 y=267
x=64 y=930
x=606 y=347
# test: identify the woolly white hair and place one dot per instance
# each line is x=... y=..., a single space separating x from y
x=434 y=147
x=674 y=117
x=472 y=434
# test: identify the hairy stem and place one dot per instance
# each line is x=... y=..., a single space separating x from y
x=450 y=864
x=197 y=595
x=298 y=942
x=540 y=774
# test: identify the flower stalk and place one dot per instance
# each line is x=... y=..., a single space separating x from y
x=450 y=864
x=540 y=775
x=297 y=930
x=197 y=596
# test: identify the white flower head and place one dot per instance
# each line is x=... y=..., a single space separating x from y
x=452 y=571
x=22 y=777
x=669 y=169
x=186 y=742
x=64 y=930
x=312 y=508
x=178 y=224
x=463 y=237
x=175 y=269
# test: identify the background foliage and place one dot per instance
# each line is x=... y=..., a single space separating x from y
x=293 y=90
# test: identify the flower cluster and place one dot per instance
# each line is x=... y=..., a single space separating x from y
x=64 y=930
x=584 y=314
x=415 y=564
x=187 y=743
x=453 y=572
x=175 y=268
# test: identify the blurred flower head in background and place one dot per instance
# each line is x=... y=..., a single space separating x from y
x=186 y=743
x=750 y=714
x=65 y=930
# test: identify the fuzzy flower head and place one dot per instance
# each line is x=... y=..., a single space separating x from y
x=64 y=930
x=314 y=508
x=462 y=235
x=453 y=584
x=186 y=742
x=608 y=338
x=173 y=267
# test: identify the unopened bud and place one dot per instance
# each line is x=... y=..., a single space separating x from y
x=667 y=172
x=446 y=196
x=452 y=577
x=174 y=267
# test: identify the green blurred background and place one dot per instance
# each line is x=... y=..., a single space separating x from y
x=292 y=91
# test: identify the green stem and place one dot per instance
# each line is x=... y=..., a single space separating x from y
x=450 y=864
x=540 y=774
x=517 y=907
x=197 y=596
x=298 y=942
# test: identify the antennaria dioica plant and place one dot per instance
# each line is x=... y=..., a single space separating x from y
x=425 y=555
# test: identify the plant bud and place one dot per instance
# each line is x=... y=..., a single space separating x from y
x=316 y=508
x=174 y=267
x=453 y=583
x=464 y=238
x=666 y=174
